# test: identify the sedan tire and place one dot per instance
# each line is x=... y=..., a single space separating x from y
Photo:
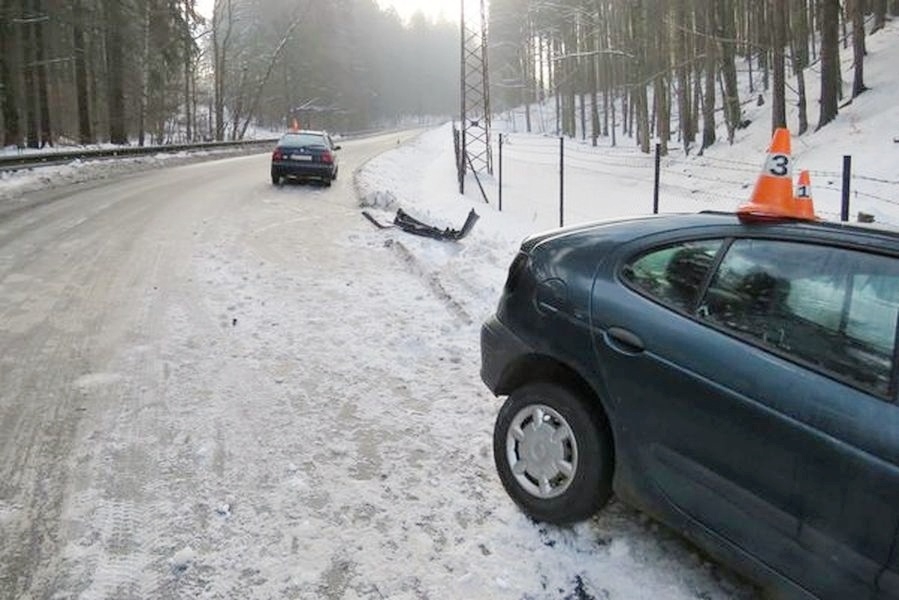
x=554 y=454
x=276 y=178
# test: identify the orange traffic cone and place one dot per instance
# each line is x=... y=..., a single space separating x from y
x=805 y=207
x=772 y=196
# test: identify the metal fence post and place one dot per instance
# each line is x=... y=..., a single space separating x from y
x=655 y=192
x=562 y=181
x=500 y=172
x=847 y=176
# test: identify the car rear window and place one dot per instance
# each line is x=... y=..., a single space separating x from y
x=302 y=140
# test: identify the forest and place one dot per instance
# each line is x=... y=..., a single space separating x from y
x=159 y=71
x=662 y=70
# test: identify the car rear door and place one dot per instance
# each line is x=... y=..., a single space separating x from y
x=728 y=428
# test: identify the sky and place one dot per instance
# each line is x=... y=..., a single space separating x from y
x=432 y=9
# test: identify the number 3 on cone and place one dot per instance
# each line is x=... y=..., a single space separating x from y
x=778 y=165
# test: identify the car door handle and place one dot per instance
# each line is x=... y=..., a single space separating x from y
x=624 y=341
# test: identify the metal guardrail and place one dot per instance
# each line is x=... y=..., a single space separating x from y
x=27 y=161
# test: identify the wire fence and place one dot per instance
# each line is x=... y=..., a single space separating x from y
x=593 y=183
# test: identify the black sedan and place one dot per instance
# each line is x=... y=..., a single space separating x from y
x=737 y=380
x=305 y=155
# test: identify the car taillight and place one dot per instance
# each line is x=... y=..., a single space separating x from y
x=277 y=154
x=327 y=157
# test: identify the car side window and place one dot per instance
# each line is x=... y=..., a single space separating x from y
x=833 y=308
x=673 y=274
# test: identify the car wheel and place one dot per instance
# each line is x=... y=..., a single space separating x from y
x=334 y=176
x=276 y=178
x=553 y=450
x=326 y=182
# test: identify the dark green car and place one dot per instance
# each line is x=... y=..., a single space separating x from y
x=736 y=380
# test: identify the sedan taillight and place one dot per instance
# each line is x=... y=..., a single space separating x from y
x=327 y=157
x=277 y=154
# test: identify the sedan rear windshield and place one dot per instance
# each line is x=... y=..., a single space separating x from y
x=302 y=140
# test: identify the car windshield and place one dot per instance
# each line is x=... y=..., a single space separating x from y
x=301 y=140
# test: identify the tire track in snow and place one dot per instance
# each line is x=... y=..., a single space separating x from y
x=431 y=279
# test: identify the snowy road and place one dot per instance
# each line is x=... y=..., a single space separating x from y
x=215 y=388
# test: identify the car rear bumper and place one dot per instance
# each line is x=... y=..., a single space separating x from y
x=499 y=348
x=300 y=169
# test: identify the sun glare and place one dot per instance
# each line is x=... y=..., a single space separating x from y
x=447 y=10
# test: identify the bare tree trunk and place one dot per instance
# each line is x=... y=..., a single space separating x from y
x=613 y=127
x=541 y=84
x=115 y=69
x=605 y=65
x=144 y=77
x=556 y=87
x=708 y=104
x=222 y=25
x=527 y=70
x=28 y=76
x=830 y=56
x=682 y=73
x=879 y=7
x=582 y=97
x=762 y=42
x=661 y=87
x=570 y=74
x=82 y=92
x=12 y=132
x=731 y=99
x=46 y=134
x=778 y=99
x=188 y=121
x=799 y=43
x=858 y=46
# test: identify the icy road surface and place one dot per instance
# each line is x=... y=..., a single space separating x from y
x=216 y=388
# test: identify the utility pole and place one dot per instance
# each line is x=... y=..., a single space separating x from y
x=475 y=113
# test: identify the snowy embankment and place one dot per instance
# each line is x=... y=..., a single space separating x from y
x=16 y=184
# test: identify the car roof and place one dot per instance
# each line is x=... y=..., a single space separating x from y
x=864 y=229
x=305 y=132
x=724 y=224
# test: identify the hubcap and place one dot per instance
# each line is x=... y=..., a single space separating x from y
x=541 y=451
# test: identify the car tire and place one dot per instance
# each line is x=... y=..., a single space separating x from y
x=326 y=182
x=570 y=476
x=334 y=176
x=276 y=178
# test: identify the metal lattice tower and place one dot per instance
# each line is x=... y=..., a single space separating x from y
x=475 y=130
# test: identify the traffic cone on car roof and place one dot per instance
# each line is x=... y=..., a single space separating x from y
x=772 y=197
x=805 y=207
